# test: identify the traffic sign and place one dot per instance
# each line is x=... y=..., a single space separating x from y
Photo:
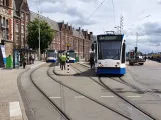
x=68 y=44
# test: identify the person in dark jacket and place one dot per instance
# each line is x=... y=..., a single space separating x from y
x=91 y=61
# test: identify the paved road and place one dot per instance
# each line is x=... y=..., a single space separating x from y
x=148 y=102
x=75 y=105
x=79 y=107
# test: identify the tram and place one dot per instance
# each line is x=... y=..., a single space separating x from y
x=51 y=56
x=72 y=56
x=110 y=54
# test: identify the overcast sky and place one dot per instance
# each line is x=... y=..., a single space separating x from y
x=77 y=13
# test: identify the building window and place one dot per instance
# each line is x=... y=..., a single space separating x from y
x=22 y=28
x=17 y=39
x=22 y=16
x=27 y=18
x=7 y=3
x=3 y=1
x=6 y=23
x=3 y=24
x=0 y=21
x=17 y=28
x=22 y=41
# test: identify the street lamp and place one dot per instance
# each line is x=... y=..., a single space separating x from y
x=39 y=32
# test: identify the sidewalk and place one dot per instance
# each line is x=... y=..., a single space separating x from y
x=11 y=106
x=58 y=71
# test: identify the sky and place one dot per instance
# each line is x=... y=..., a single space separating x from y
x=139 y=16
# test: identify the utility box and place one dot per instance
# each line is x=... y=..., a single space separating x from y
x=9 y=62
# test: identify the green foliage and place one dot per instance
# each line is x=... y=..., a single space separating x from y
x=46 y=35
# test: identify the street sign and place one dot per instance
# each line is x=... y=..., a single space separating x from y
x=68 y=44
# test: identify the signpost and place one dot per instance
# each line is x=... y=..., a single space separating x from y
x=68 y=45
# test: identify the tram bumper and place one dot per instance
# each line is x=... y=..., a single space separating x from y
x=111 y=71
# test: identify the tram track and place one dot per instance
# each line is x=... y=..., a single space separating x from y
x=101 y=83
x=64 y=115
x=90 y=98
x=121 y=80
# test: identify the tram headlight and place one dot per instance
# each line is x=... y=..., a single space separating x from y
x=118 y=63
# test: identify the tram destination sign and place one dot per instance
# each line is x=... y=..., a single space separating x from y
x=109 y=37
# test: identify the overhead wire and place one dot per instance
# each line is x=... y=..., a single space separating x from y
x=94 y=11
x=114 y=12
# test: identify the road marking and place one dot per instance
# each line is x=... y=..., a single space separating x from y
x=55 y=97
x=77 y=97
x=133 y=96
x=15 y=110
x=107 y=96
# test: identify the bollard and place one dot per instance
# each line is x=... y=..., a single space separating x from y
x=68 y=62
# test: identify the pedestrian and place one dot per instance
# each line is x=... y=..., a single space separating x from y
x=24 y=62
x=63 y=61
x=60 y=62
x=91 y=61
x=33 y=59
x=30 y=59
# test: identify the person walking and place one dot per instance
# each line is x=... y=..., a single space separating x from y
x=91 y=61
x=60 y=62
x=24 y=62
x=63 y=61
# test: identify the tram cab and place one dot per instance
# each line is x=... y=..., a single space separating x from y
x=110 y=54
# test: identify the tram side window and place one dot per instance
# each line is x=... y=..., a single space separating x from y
x=123 y=53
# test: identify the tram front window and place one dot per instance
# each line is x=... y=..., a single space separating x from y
x=109 y=50
x=72 y=54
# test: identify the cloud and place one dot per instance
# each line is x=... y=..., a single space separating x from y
x=82 y=23
x=159 y=1
x=76 y=12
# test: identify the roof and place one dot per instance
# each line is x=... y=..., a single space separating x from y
x=78 y=34
x=18 y=3
x=14 y=9
x=53 y=24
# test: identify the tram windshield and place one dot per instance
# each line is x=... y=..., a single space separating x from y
x=109 y=50
x=51 y=54
x=72 y=54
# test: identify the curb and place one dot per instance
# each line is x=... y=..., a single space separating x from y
x=27 y=112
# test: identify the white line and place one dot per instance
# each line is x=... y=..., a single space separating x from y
x=55 y=97
x=15 y=110
x=133 y=96
x=77 y=97
x=107 y=96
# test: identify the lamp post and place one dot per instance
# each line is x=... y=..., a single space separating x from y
x=39 y=33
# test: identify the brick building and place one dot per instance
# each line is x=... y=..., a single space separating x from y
x=79 y=40
x=6 y=25
x=21 y=17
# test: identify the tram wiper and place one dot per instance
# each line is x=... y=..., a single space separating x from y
x=115 y=56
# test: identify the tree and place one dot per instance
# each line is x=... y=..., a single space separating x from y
x=46 y=35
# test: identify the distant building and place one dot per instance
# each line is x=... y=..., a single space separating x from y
x=79 y=40
x=21 y=16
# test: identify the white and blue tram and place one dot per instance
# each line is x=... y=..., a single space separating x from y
x=110 y=54
x=51 y=56
x=72 y=56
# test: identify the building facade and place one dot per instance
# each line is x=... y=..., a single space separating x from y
x=6 y=25
x=79 y=40
x=21 y=18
